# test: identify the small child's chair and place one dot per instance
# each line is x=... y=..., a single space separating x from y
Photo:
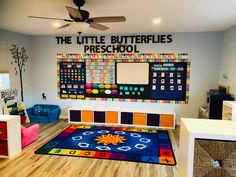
x=29 y=135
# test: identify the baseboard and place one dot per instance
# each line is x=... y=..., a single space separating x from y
x=65 y=117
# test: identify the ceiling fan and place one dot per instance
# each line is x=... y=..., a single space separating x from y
x=79 y=16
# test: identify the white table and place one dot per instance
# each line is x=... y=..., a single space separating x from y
x=190 y=129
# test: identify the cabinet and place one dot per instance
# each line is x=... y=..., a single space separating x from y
x=10 y=136
x=229 y=110
x=197 y=136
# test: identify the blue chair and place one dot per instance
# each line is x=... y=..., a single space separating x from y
x=44 y=113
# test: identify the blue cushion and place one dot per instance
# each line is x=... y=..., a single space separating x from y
x=36 y=110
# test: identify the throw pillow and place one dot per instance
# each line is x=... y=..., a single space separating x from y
x=37 y=110
x=12 y=109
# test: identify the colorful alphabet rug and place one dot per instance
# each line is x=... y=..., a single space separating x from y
x=116 y=143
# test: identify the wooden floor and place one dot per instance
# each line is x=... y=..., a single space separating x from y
x=34 y=165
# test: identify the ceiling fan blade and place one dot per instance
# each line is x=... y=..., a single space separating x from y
x=98 y=26
x=48 y=18
x=63 y=26
x=74 y=12
x=108 y=19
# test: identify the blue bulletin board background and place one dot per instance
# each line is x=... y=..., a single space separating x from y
x=168 y=81
x=94 y=77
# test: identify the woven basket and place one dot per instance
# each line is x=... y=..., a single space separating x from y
x=214 y=158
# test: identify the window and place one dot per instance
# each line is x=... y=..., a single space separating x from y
x=4 y=81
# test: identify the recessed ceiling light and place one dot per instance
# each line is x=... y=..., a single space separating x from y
x=156 y=21
x=56 y=24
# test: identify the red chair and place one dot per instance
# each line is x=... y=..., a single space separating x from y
x=29 y=135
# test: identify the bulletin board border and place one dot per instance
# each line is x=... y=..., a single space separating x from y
x=136 y=57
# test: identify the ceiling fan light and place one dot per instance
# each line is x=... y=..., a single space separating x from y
x=79 y=26
x=56 y=24
x=157 y=21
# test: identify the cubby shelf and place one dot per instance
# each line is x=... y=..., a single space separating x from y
x=210 y=131
x=141 y=117
x=10 y=136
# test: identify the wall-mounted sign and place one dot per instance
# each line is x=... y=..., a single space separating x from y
x=116 y=44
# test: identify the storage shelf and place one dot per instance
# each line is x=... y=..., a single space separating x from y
x=206 y=129
x=10 y=139
x=140 y=117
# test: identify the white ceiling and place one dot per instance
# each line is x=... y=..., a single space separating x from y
x=176 y=15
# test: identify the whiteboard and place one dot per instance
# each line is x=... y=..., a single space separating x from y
x=132 y=73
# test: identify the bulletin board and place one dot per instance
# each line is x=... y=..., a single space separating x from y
x=162 y=78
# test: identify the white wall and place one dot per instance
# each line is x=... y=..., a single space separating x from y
x=228 y=60
x=203 y=50
x=9 y=38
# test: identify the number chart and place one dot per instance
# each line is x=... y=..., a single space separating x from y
x=72 y=79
